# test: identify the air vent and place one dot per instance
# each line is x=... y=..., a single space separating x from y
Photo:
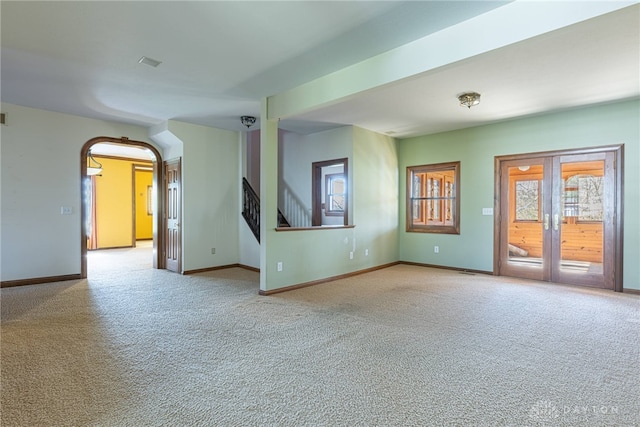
x=149 y=61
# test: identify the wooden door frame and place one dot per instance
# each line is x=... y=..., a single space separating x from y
x=158 y=183
x=316 y=189
x=618 y=227
x=136 y=167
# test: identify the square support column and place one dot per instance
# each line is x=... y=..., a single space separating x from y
x=268 y=192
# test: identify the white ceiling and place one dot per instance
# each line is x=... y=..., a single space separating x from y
x=220 y=58
x=595 y=61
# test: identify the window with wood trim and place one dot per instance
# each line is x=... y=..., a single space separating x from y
x=433 y=198
x=336 y=194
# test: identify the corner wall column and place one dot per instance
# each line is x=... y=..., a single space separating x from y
x=268 y=192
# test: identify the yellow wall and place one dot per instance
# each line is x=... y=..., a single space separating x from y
x=144 y=221
x=114 y=200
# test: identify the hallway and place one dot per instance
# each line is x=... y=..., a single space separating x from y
x=112 y=261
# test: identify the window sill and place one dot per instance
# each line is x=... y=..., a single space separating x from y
x=434 y=230
x=319 y=227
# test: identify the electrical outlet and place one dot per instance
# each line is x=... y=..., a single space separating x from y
x=213 y=251
x=366 y=252
x=279 y=266
x=436 y=249
x=350 y=255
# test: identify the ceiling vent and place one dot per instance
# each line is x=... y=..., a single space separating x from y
x=149 y=61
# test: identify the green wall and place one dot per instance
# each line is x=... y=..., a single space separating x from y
x=296 y=154
x=375 y=198
x=310 y=255
x=476 y=148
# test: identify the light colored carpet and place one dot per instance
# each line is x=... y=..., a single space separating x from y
x=403 y=346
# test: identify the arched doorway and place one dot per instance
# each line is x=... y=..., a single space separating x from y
x=158 y=208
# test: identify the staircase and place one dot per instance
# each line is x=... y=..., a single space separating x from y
x=251 y=210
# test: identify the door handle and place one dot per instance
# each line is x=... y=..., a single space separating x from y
x=546 y=221
x=555 y=221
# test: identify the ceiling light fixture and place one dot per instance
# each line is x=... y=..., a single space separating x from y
x=149 y=61
x=93 y=170
x=469 y=99
x=248 y=121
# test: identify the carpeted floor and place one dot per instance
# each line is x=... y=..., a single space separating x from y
x=403 y=346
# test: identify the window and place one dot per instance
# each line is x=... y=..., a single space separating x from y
x=329 y=197
x=433 y=198
x=336 y=194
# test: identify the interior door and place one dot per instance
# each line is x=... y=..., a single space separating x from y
x=559 y=218
x=173 y=245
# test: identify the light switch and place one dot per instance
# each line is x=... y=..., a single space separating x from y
x=487 y=211
x=66 y=210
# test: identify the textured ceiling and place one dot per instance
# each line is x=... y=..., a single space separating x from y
x=220 y=58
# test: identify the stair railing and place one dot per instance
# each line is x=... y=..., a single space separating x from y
x=251 y=209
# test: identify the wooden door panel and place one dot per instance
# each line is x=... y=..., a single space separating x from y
x=173 y=242
x=522 y=210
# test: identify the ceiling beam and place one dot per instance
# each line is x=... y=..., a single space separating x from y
x=512 y=23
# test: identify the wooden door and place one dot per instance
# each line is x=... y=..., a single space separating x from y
x=525 y=249
x=583 y=220
x=557 y=218
x=173 y=236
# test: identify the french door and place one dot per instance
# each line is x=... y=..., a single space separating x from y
x=558 y=217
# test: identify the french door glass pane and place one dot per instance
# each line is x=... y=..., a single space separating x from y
x=581 y=237
x=525 y=216
x=527 y=200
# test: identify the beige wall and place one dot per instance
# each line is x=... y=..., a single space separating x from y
x=40 y=174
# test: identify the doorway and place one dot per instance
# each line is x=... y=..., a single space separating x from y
x=559 y=217
x=143 y=195
x=329 y=201
x=157 y=205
